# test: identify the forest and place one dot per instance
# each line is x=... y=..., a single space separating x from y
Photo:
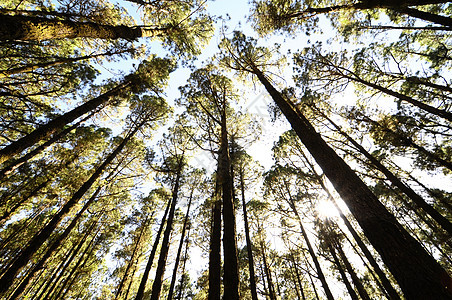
x=201 y=149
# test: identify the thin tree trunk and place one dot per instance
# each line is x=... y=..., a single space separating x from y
x=418 y=200
x=36 y=242
x=132 y=258
x=418 y=274
x=55 y=125
x=351 y=291
x=249 y=244
x=179 y=250
x=182 y=279
x=66 y=284
x=57 y=62
x=214 y=254
x=157 y=285
x=53 y=247
x=356 y=281
x=297 y=274
x=20 y=161
x=54 y=280
x=144 y=278
x=433 y=110
x=318 y=268
x=271 y=288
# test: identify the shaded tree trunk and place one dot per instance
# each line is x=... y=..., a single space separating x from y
x=214 y=254
x=418 y=274
x=132 y=259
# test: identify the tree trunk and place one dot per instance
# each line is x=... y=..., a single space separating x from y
x=426 y=16
x=271 y=287
x=418 y=274
x=231 y=271
x=25 y=28
x=157 y=285
x=297 y=274
x=57 y=62
x=144 y=278
x=179 y=250
x=20 y=161
x=57 y=124
x=418 y=200
x=58 y=274
x=249 y=244
x=131 y=259
x=214 y=254
x=39 y=239
x=318 y=268
x=66 y=284
x=356 y=281
x=53 y=247
x=433 y=110
x=180 y=295
x=384 y=280
x=351 y=291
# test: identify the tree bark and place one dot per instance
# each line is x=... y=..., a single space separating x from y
x=418 y=274
x=426 y=16
x=27 y=28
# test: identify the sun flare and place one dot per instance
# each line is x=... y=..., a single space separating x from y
x=326 y=209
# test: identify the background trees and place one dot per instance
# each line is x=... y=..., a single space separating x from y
x=101 y=191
